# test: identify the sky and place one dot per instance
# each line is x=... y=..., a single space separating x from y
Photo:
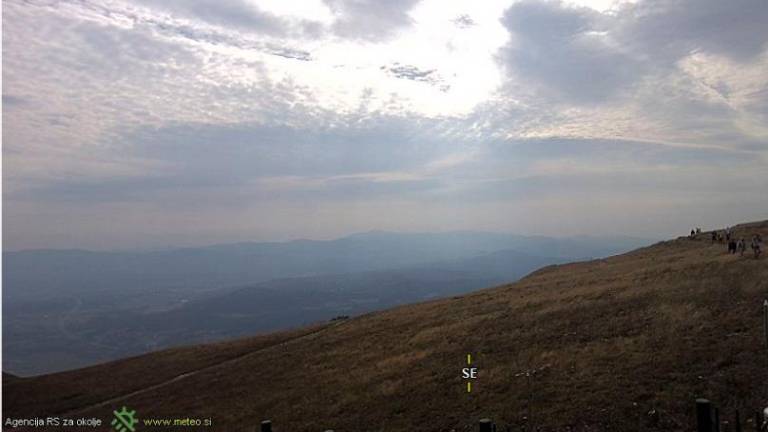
x=160 y=123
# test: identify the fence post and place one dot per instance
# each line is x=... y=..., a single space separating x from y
x=704 y=416
x=737 y=422
x=717 y=419
x=266 y=426
x=486 y=425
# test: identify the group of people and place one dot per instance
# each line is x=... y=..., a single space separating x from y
x=734 y=245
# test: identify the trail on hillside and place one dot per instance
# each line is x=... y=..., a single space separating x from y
x=196 y=372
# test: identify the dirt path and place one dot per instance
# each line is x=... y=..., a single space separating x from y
x=186 y=375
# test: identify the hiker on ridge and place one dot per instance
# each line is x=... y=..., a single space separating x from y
x=756 y=240
x=741 y=246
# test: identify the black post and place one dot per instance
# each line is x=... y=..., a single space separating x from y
x=486 y=425
x=717 y=419
x=704 y=416
x=758 y=421
x=737 y=422
x=266 y=426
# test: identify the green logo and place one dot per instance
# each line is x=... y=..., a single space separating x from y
x=124 y=421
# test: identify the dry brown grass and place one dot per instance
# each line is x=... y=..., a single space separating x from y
x=61 y=392
x=611 y=339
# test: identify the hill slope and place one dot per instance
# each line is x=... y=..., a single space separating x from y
x=609 y=340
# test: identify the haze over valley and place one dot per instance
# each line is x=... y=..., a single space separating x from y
x=71 y=308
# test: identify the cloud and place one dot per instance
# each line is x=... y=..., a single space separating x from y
x=228 y=13
x=413 y=73
x=246 y=151
x=566 y=52
x=229 y=164
x=410 y=72
x=670 y=30
x=291 y=53
x=370 y=20
x=579 y=55
x=383 y=153
x=118 y=52
x=665 y=72
x=464 y=21
x=159 y=118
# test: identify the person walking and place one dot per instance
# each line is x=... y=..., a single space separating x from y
x=756 y=240
x=741 y=246
x=732 y=246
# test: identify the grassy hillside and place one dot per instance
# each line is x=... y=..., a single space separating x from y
x=595 y=345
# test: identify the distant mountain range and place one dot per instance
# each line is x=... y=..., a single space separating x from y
x=34 y=273
x=69 y=308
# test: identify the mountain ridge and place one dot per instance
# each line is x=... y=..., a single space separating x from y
x=351 y=236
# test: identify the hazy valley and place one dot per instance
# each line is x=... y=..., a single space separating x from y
x=66 y=308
